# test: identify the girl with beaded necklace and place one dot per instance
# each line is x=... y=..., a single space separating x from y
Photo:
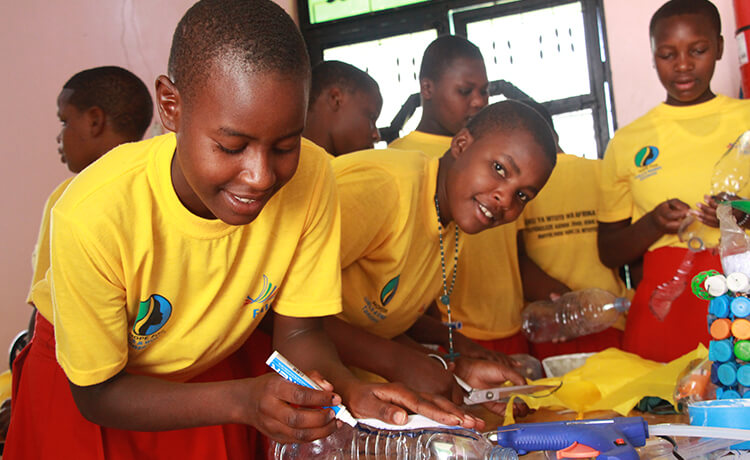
x=403 y=215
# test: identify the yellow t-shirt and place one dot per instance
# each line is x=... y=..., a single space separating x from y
x=668 y=153
x=139 y=282
x=561 y=225
x=434 y=145
x=40 y=256
x=488 y=295
x=390 y=249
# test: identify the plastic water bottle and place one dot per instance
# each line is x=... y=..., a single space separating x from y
x=574 y=314
x=364 y=442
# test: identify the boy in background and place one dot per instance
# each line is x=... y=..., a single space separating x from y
x=567 y=203
x=659 y=166
x=345 y=104
x=98 y=109
x=167 y=253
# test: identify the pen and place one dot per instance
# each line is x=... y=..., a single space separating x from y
x=289 y=372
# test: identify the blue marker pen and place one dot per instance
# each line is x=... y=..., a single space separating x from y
x=287 y=370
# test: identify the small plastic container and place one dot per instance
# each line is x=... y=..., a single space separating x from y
x=557 y=366
x=727 y=413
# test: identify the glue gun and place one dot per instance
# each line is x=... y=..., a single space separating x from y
x=611 y=439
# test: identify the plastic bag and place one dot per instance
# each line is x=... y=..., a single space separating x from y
x=734 y=245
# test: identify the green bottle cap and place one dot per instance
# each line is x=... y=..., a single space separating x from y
x=742 y=350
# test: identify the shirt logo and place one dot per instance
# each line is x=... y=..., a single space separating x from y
x=386 y=295
x=265 y=297
x=153 y=314
x=646 y=156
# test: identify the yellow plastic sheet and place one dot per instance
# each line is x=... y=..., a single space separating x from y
x=612 y=380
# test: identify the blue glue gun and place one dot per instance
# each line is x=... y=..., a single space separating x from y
x=610 y=439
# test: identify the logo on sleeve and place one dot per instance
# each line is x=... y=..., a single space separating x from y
x=153 y=314
x=389 y=290
x=264 y=298
x=644 y=161
x=375 y=311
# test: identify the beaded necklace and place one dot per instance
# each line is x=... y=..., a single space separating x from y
x=445 y=298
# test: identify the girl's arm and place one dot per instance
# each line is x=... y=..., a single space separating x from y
x=305 y=343
x=135 y=402
x=622 y=242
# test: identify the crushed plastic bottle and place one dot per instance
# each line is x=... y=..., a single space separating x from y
x=574 y=314
x=366 y=443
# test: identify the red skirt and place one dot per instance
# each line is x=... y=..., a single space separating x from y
x=685 y=325
x=512 y=345
x=45 y=421
x=607 y=338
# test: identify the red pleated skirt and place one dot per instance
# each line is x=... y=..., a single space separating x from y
x=684 y=327
x=46 y=423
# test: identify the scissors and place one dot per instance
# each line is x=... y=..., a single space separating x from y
x=477 y=396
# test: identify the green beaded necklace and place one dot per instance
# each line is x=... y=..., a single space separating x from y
x=445 y=298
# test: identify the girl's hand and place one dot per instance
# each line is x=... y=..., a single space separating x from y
x=668 y=215
x=707 y=210
x=389 y=402
x=481 y=373
x=287 y=412
x=468 y=348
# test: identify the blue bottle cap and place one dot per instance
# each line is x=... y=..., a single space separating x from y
x=715 y=373
x=719 y=306
x=720 y=350
x=740 y=307
x=728 y=374
x=730 y=394
x=743 y=375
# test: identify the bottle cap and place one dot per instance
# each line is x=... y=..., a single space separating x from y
x=740 y=307
x=742 y=350
x=741 y=329
x=743 y=375
x=720 y=350
x=738 y=282
x=719 y=306
x=730 y=394
x=721 y=328
x=715 y=373
x=728 y=374
x=622 y=304
x=716 y=285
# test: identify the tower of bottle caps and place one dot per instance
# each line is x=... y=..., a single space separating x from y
x=729 y=326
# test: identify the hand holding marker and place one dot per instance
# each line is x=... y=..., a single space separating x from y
x=287 y=370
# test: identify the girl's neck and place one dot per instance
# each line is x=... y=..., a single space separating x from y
x=441 y=189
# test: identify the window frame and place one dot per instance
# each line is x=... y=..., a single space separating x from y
x=441 y=15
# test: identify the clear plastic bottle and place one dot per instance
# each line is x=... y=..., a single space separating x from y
x=574 y=314
x=364 y=442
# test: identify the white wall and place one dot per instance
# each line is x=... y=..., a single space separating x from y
x=42 y=44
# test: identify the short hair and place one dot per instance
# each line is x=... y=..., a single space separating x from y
x=122 y=96
x=511 y=115
x=442 y=52
x=541 y=110
x=336 y=73
x=680 y=7
x=256 y=35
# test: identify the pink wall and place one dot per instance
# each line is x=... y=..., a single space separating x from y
x=42 y=44
x=636 y=86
